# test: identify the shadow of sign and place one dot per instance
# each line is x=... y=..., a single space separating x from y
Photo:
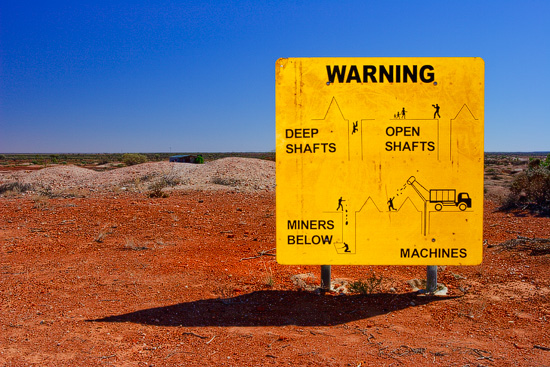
x=273 y=308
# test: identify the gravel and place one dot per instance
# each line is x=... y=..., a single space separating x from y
x=236 y=174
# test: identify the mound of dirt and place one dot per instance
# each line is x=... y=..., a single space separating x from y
x=243 y=173
x=56 y=177
x=142 y=173
x=236 y=174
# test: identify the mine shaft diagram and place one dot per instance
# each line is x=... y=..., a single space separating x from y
x=431 y=200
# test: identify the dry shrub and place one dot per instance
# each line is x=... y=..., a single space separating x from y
x=15 y=187
x=535 y=246
x=41 y=202
x=369 y=286
x=530 y=189
x=225 y=181
x=169 y=179
x=104 y=232
x=133 y=158
x=130 y=244
x=155 y=189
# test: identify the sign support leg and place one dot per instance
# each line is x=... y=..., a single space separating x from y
x=431 y=283
x=325 y=278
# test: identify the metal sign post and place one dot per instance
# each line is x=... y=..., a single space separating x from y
x=431 y=282
x=325 y=278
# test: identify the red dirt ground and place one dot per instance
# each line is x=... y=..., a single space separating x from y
x=133 y=281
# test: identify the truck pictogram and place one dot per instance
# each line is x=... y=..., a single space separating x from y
x=441 y=197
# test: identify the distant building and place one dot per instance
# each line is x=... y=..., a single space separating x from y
x=187 y=158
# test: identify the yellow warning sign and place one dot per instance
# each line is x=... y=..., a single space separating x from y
x=379 y=161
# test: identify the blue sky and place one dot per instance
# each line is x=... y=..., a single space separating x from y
x=199 y=76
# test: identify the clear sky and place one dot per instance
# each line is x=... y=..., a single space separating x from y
x=199 y=76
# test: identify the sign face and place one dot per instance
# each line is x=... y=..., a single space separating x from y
x=379 y=161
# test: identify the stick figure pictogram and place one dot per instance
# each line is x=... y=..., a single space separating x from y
x=340 y=204
x=436 y=113
x=390 y=205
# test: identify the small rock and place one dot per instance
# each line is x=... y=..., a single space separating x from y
x=521 y=346
x=441 y=291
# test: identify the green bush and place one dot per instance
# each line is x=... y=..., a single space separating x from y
x=530 y=189
x=369 y=286
x=133 y=158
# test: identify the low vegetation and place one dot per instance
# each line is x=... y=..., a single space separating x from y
x=15 y=187
x=225 y=181
x=530 y=189
x=97 y=161
x=131 y=159
x=372 y=284
x=131 y=244
x=156 y=188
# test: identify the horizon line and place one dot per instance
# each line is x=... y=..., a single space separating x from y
x=228 y=152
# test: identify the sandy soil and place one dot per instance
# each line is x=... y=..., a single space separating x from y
x=93 y=272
